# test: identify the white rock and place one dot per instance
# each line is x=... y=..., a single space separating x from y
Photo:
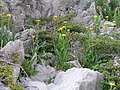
x=36 y=85
x=86 y=17
x=26 y=37
x=77 y=79
x=11 y=48
x=45 y=73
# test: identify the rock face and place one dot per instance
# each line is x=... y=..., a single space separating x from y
x=45 y=73
x=2 y=87
x=26 y=37
x=35 y=85
x=77 y=79
x=13 y=52
x=29 y=84
x=21 y=10
x=86 y=17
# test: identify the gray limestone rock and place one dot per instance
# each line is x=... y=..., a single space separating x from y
x=13 y=52
x=26 y=37
x=77 y=79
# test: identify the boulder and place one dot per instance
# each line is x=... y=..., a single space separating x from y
x=45 y=73
x=22 y=10
x=13 y=52
x=86 y=17
x=26 y=37
x=2 y=87
x=36 y=85
x=77 y=79
x=29 y=84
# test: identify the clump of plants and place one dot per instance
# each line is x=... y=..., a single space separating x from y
x=117 y=17
x=7 y=78
x=107 y=8
x=61 y=48
x=111 y=77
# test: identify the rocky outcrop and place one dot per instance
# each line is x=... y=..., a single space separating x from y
x=45 y=73
x=77 y=79
x=2 y=87
x=26 y=37
x=21 y=10
x=13 y=52
x=86 y=17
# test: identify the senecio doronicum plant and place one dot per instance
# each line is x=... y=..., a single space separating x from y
x=5 y=21
x=117 y=17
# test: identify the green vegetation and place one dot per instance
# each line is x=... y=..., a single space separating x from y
x=6 y=74
x=54 y=34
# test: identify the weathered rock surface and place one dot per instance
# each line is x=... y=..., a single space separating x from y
x=86 y=17
x=26 y=37
x=45 y=73
x=2 y=87
x=29 y=84
x=77 y=79
x=36 y=85
x=21 y=10
x=13 y=52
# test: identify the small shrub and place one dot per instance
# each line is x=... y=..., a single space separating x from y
x=6 y=75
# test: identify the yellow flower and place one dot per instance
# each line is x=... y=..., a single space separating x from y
x=63 y=35
x=60 y=29
x=106 y=17
x=33 y=36
x=106 y=24
x=54 y=16
x=1 y=5
x=112 y=83
x=91 y=29
x=95 y=16
x=8 y=15
x=37 y=20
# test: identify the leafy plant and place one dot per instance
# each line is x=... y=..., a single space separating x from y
x=7 y=77
x=117 y=17
x=61 y=47
x=107 y=8
x=111 y=79
x=27 y=65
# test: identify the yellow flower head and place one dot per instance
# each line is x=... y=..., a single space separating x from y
x=54 y=16
x=112 y=83
x=33 y=36
x=106 y=17
x=1 y=5
x=60 y=29
x=106 y=24
x=95 y=16
x=63 y=35
x=90 y=29
x=37 y=20
x=8 y=15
